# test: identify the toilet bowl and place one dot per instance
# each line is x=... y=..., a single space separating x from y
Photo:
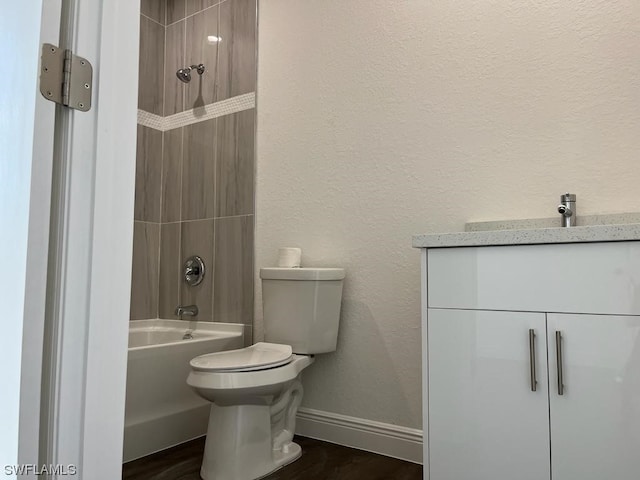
x=254 y=405
x=256 y=391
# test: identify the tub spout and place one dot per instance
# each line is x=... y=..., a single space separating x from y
x=189 y=310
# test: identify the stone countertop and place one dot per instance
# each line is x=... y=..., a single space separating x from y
x=529 y=236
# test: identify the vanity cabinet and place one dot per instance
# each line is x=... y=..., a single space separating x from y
x=532 y=362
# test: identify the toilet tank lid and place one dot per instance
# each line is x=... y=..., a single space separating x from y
x=279 y=273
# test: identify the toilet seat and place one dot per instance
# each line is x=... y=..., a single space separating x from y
x=257 y=380
x=260 y=356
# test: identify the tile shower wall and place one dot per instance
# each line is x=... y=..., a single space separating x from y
x=220 y=35
x=195 y=184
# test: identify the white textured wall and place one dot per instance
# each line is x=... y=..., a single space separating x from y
x=379 y=119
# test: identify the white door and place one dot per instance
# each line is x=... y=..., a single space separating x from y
x=26 y=155
x=66 y=209
x=595 y=416
x=485 y=420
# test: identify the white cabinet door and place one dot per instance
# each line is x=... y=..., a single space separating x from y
x=485 y=422
x=595 y=423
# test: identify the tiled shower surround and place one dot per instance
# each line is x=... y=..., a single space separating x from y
x=195 y=183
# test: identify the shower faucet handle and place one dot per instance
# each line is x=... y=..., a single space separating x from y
x=194 y=270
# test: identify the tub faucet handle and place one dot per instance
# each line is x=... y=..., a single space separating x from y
x=190 y=310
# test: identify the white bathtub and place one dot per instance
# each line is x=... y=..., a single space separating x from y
x=161 y=410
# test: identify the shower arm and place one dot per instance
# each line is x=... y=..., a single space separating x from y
x=199 y=68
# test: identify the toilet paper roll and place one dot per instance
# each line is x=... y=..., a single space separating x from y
x=289 y=257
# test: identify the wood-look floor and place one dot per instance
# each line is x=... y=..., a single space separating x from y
x=319 y=461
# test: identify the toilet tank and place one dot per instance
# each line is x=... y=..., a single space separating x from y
x=302 y=307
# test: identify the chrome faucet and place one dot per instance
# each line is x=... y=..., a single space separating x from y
x=567 y=209
x=189 y=310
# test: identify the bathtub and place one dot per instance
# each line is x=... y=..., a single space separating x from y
x=161 y=409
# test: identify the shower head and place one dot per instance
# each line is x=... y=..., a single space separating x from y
x=184 y=74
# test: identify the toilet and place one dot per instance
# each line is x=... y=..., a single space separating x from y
x=255 y=391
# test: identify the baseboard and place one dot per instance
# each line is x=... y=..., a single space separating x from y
x=383 y=438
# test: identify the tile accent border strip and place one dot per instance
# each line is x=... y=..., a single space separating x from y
x=150 y=120
x=199 y=114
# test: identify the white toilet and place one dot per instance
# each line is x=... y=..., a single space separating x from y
x=256 y=390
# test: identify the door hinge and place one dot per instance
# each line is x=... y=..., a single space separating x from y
x=65 y=78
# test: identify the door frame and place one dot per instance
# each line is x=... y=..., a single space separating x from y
x=88 y=296
x=112 y=239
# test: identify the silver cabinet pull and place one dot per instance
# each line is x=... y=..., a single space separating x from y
x=559 y=362
x=532 y=359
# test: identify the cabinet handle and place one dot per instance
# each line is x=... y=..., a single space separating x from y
x=532 y=359
x=559 y=362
